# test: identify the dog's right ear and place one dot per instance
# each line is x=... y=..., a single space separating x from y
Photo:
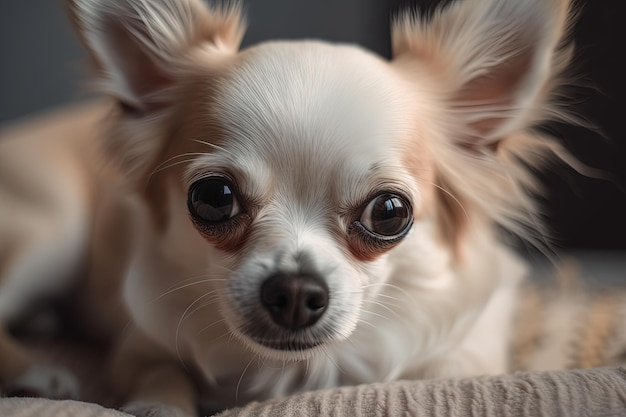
x=143 y=53
x=140 y=47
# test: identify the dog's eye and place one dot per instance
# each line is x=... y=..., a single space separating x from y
x=387 y=215
x=212 y=200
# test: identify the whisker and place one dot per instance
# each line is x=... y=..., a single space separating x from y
x=327 y=354
x=204 y=275
x=391 y=298
x=241 y=378
x=351 y=342
x=160 y=167
x=179 y=156
x=182 y=318
x=180 y=287
x=209 y=326
x=207 y=303
x=156 y=171
x=394 y=287
x=212 y=145
x=230 y=338
x=456 y=200
x=378 y=303
x=365 y=322
x=375 y=314
x=226 y=333
x=262 y=363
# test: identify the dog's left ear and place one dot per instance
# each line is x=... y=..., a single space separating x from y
x=495 y=59
x=493 y=67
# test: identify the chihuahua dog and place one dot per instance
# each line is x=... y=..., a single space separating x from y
x=244 y=224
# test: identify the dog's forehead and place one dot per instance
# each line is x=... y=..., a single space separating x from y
x=323 y=102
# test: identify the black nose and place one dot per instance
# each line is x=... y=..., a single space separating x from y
x=294 y=301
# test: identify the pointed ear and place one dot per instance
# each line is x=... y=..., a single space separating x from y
x=493 y=67
x=139 y=46
x=495 y=58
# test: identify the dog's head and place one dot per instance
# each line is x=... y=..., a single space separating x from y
x=305 y=167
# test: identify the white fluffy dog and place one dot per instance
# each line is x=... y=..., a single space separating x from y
x=293 y=216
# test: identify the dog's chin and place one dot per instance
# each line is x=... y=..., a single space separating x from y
x=288 y=347
x=285 y=350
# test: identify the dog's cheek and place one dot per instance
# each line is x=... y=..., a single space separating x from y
x=373 y=274
x=365 y=249
x=364 y=253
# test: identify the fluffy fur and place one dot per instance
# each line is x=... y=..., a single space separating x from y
x=306 y=134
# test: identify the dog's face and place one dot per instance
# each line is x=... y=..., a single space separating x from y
x=306 y=183
x=297 y=170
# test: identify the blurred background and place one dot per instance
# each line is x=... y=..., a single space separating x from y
x=42 y=67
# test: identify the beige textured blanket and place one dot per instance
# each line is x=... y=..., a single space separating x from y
x=599 y=392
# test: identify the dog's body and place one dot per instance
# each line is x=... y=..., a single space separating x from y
x=363 y=192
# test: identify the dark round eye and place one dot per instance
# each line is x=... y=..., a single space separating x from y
x=387 y=215
x=212 y=200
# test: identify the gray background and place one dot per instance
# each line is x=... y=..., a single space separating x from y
x=42 y=62
x=41 y=65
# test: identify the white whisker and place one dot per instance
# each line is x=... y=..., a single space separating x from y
x=212 y=145
x=375 y=314
x=380 y=304
x=453 y=197
x=182 y=318
x=180 y=287
x=161 y=166
x=209 y=326
x=330 y=358
x=241 y=378
x=306 y=367
x=364 y=322
x=394 y=287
